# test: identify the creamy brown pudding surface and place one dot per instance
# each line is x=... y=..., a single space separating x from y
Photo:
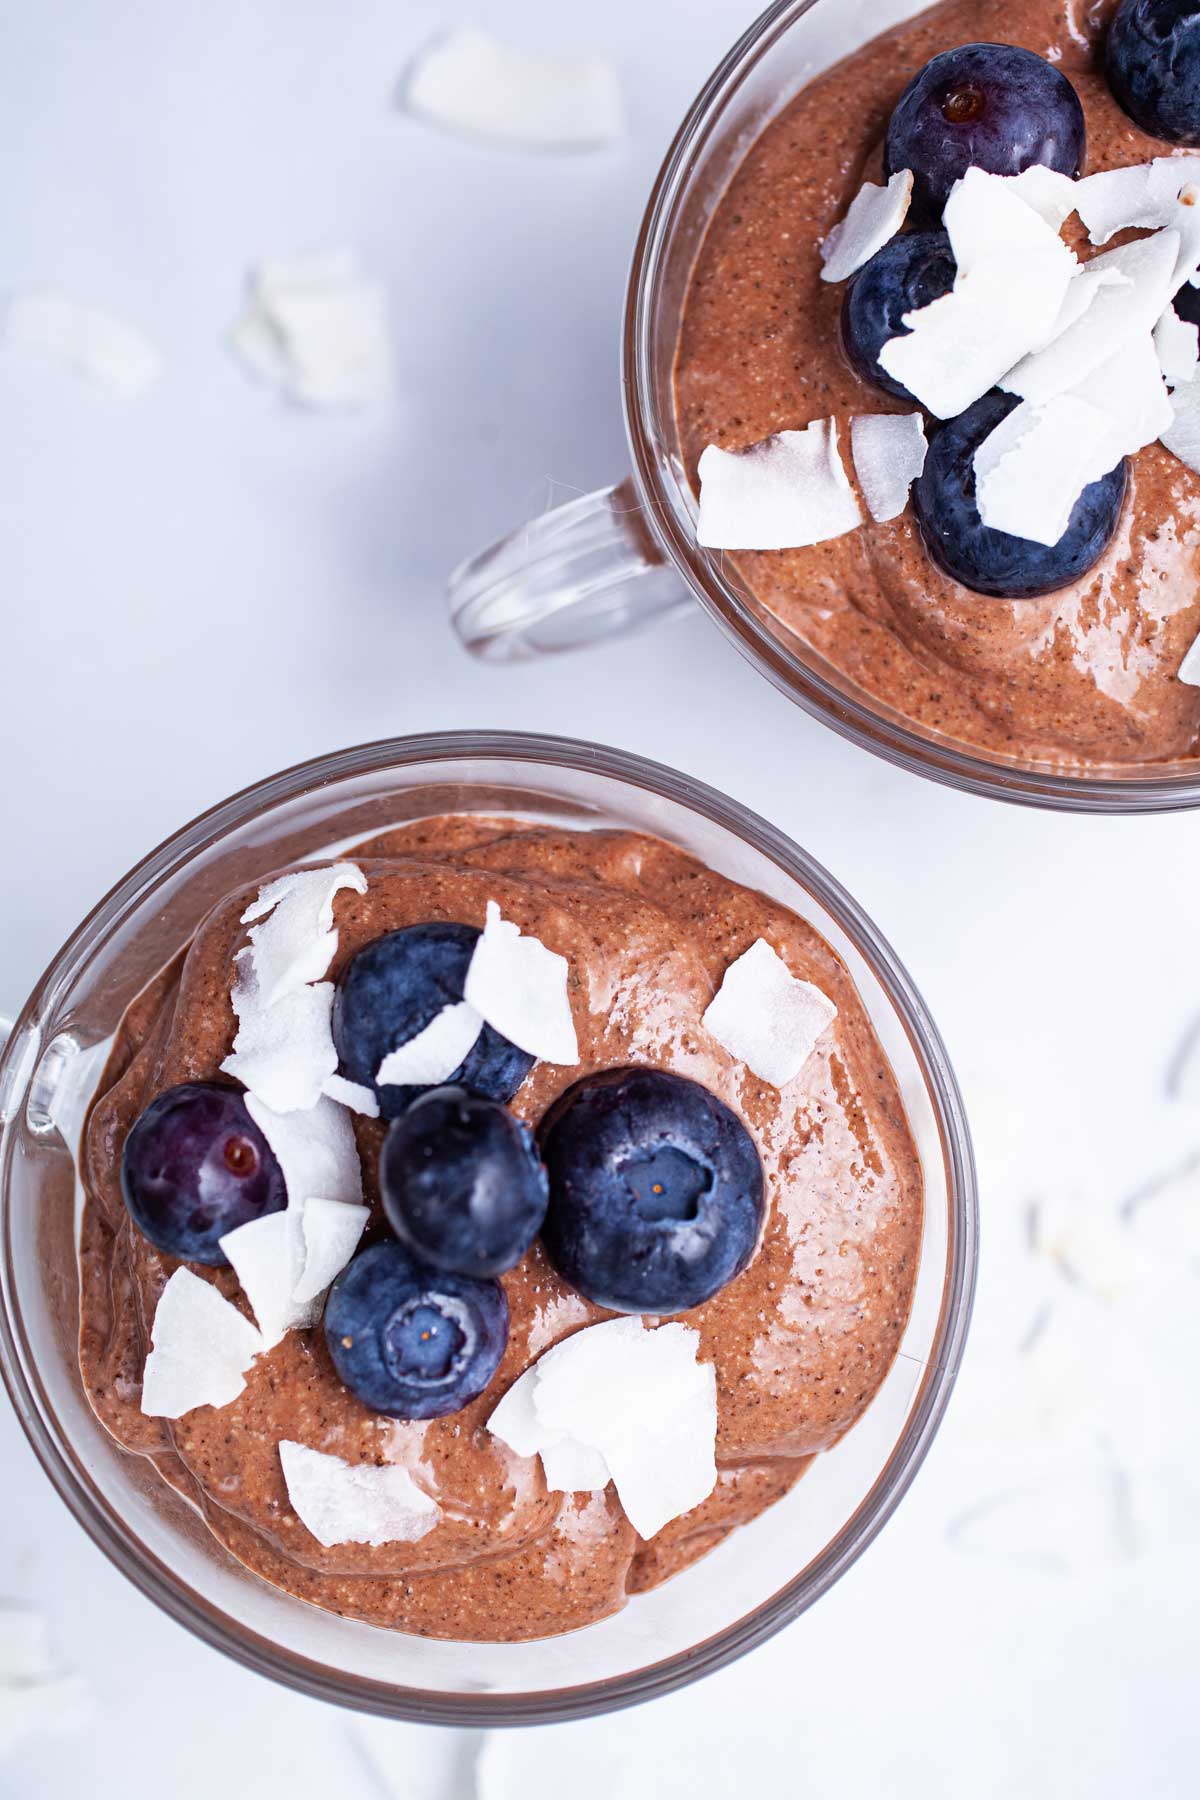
x=801 y=1339
x=1083 y=676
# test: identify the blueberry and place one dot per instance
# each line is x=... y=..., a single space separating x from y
x=993 y=562
x=1154 y=66
x=656 y=1190
x=990 y=106
x=195 y=1166
x=409 y=1341
x=393 y=989
x=913 y=271
x=462 y=1183
x=1187 y=304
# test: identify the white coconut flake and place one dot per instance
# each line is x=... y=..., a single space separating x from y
x=1013 y=273
x=284 y=1054
x=1189 y=668
x=292 y=934
x=889 y=454
x=1033 y=467
x=766 y=1017
x=106 y=350
x=874 y=217
x=313 y=327
x=1182 y=435
x=1051 y=194
x=636 y=1401
x=360 y=1503
x=202 y=1348
x=468 y=82
x=1116 y=314
x=432 y=1056
x=330 y=1231
x=353 y=1094
x=286 y=1261
x=1177 y=342
x=1117 y=199
x=569 y=1466
x=786 y=492
x=35 y=1697
x=316 y=1149
x=520 y=989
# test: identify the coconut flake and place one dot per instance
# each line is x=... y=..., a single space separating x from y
x=1032 y=468
x=889 y=454
x=874 y=217
x=1182 y=435
x=284 y=1051
x=292 y=934
x=1178 y=345
x=569 y=1466
x=106 y=350
x=315 y=1148
x=520 y=989
x=283 y=1054
x=638 y=1401
x=467 y=81
x=360 y=1503
x=1013 y=273
x=353 y=1094
x=314 y=328
x=1143 y=196
x=286 y=1261
x=786 y=492
x=330 y=1231
x=766 y=1017
x=1189 y=668
x=202 y=1348
x=1051 y=194
x=433 y=1055
x=1117 y=313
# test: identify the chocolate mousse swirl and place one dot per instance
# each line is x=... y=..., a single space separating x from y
x=1080 y=678
x=800 y=1340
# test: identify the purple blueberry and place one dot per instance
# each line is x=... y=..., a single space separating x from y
x=913 y=271
x=988 y=106
x=1154 y=66
x=993 y=562
x=393 y=989
x=1187 y=304
x=411 y=1342
x=656 y=1190
x=462 y=1183
x=194 y=1166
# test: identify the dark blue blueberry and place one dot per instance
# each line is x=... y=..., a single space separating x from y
x=1154 y=66
x=195 y=1166
x=989 y=106
x=412 y=1342
x=913 y=271
x=1187 y=304
x=393 y=989
x=463 y=1185
x=656 y=1190
x=993 y=562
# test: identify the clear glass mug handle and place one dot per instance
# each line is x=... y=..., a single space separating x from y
x=585 y=571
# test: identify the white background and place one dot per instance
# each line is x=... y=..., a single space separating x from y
x=205 y=585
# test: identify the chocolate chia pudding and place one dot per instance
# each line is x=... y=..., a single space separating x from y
x=799 y=1339
x=1081 y=677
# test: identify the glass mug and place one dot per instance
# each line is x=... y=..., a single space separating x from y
x=767 y=1572
x=613 y=560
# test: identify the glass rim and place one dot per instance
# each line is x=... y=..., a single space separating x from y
x=119 y=1542
x=871 y=727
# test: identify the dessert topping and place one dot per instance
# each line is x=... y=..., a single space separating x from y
x=785 y=492
x=766 y=1017
x=874 y=217
x=354 y=1503
x=519 y=988
x=632 y=1405
x=202 y=1348
x=889 y=453
x=468 y=82
x=432 y=1056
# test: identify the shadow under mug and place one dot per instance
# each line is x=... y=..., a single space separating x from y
x=612 y=561
x=768 y=1572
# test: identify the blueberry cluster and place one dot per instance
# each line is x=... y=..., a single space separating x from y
x=1004 y=110
x=646 y=1189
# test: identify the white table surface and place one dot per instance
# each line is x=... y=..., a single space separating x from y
x=205 y=585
